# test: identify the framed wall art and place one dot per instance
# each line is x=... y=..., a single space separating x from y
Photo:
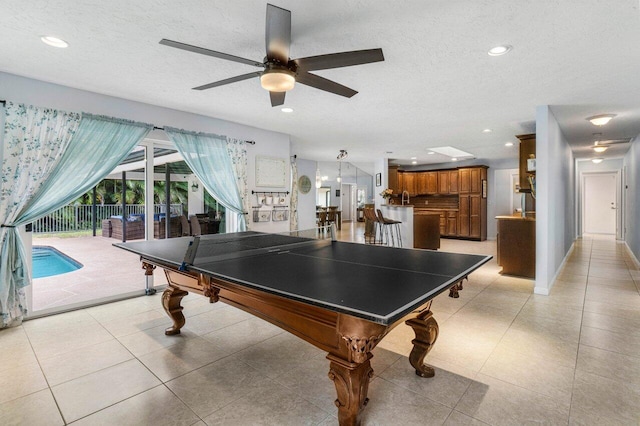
x=378 y=179
x=271 y=172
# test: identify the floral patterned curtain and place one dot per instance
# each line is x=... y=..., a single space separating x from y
x=293 y=216
x=34 y=141
x=237 y=150
x=49 y=158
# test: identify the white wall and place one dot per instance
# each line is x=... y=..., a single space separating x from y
x=380 y=166
x=632 y=208
x=555 y=206
x=272 y=144
x=502 y=188
x=307 y=202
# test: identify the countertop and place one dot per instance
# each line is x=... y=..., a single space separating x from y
x=517 y=217
x=398 y=205
x=439 y=209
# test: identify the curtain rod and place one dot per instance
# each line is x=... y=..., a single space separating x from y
x=4 y=103
x=162 y=128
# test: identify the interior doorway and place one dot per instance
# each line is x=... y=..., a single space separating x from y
x=600 y=202
x=348 y=196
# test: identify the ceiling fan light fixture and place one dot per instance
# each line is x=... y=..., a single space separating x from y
x=600 y=148
x=277 y=80
x=601 y=120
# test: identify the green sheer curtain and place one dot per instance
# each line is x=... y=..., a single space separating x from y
x=209 y=159
x=35 y=184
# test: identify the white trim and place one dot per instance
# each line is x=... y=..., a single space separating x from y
x=546 y=290
x=583 y=176
x=632 y=255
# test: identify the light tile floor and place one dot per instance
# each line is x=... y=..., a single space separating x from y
x=504 y=357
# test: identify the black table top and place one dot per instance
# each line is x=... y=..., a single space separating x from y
x=380 y=284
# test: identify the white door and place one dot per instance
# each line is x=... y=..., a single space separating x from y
x=599 y=213
x=345 y=202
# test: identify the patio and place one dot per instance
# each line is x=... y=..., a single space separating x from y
x=108 y=271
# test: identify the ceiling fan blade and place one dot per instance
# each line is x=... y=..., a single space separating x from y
x=229 y=80
x=322 y=83
x=277 y=98
x=338 y=60
x=203 y=51
x=607 y=142
x=278 y=33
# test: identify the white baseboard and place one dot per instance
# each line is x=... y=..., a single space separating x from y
x=546 y=290
x=541 y=290
x=632 y=255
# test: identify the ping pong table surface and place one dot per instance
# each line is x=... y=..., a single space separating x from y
x=379 y=284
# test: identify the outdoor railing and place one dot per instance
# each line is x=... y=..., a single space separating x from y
x=79 y=217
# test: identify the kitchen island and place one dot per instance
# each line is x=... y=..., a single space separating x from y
x=419 y=228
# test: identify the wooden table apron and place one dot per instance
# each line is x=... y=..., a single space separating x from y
x=348 y=340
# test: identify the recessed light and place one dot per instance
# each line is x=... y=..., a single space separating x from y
x=414 y=162
x=508 y=144
x=600 y=120
x=286 y=109
x=499 y=50
x=454 y=159
x=414 y=158
x=597 y=160
x=54 y=41
x=487 y=131
x=430 y=153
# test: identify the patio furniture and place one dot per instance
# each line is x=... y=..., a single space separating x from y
x=160 y=229
x=134 y=228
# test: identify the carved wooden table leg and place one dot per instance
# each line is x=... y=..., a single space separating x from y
x=453 y=291
x=352 y=383
x=426 y=329
x=171 y=303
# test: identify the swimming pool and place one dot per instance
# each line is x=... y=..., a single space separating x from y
x=47 y=261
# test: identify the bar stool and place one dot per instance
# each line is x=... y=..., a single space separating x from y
x=386 y=224
x=371 y=226
x=322 y=222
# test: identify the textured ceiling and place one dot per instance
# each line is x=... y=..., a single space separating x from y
x=436 y=87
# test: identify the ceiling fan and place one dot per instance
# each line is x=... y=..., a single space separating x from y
x=600 y=146
x=280 y=71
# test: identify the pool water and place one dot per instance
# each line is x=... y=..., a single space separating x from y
x=47 y=261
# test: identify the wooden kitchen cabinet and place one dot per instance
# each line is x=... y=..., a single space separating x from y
x=527 y=151
x=464 y=181
x=443 y=223
x=472 y=203
x=409 y=183
x=463 y=215
x=453 y=181
x=443 y=182
x=421 y=183
x=517 y=245
x=459 y=196
x=432 y=183
x=452 y=223
x=393 y=179
x=475 y=215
